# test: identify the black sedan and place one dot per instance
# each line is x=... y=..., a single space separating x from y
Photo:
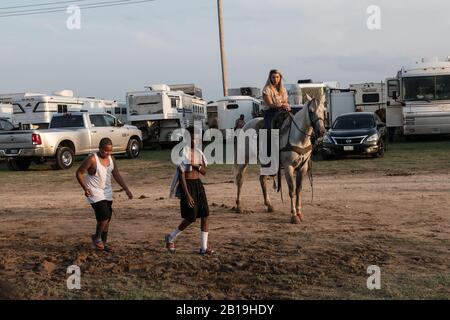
x=358 y=133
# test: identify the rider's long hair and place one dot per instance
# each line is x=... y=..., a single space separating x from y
x=280 y=88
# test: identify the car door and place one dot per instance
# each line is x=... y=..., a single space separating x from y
x=117 y=134
x=99 y=130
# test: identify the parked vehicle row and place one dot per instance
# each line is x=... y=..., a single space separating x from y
x=69 y=135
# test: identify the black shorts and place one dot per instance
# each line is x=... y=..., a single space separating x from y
x=197 y=192
x=103 y=210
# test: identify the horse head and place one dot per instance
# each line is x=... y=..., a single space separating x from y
x=316 y=111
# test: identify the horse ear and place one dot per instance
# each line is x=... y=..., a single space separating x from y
x=308 y=97
x=312 y=105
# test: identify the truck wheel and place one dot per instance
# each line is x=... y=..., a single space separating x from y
x=18 y=164
x=64 y=158
x=133 y=148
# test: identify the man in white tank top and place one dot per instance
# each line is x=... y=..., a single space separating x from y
x=94 y=176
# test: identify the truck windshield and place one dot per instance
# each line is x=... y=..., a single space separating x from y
x=144 y=105
x=354 y=122
x=426 y=88
x=67 y=121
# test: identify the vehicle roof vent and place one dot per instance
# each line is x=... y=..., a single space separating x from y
x=63 y=93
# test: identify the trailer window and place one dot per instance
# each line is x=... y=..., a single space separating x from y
x=232 y=106
x=62 y=108
x=371 y=98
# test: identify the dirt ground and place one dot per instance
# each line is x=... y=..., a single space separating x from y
x=396 y=220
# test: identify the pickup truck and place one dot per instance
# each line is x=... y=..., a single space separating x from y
x=68 y=135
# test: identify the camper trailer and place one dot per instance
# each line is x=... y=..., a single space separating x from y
x=230 y=108
x=158 y=111
x=370 y=97
x=35 y=110
x=420 y=98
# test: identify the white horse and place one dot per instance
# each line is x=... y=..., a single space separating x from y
x=295 y=153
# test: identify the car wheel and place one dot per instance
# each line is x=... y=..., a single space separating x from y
x=64 y=158
x=381 y=150
x=18 y=164
x=133 y=148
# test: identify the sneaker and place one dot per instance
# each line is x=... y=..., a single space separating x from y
x=207 y=251
x=98 y=244
x=108 y=248
x=170 y=245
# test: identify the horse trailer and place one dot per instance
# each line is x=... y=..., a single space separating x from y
x=159 y=111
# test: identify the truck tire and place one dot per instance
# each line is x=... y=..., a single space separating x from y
x=133 y=148
x=65 y=158
x=18 y=164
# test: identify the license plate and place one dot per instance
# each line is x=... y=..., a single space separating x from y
x=12 y=151
x=348 y=148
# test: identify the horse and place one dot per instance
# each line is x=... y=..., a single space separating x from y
x=295 y=154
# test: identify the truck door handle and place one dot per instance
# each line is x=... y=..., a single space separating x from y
x=111 y=130
x=94 y=131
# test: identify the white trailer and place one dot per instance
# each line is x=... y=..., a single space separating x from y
x=420 y=98
x=158 y=111
x=340 y=101
x=223 y=113
x=35 y=110
x=370 y=96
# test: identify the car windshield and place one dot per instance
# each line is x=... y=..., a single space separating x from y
x=353 y=122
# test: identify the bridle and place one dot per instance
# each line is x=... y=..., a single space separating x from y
x=313 y=123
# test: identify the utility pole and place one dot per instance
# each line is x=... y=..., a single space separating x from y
x=222 y=50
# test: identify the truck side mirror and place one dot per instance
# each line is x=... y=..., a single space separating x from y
x=394 y=95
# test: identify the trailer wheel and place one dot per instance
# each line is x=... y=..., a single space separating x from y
x=133 y=148
x=18 y=164
x=64 y=158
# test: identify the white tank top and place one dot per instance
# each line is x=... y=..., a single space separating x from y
x=100 y=183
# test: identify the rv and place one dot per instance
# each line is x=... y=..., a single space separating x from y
x=35 y=110
x=158 y=111
x=223 y=113
x=420 y=98
x=370 y=97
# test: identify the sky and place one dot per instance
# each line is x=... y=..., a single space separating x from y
x=126 y=48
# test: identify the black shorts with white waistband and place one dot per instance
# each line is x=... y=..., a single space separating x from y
x=103 y=210
x=197 y=192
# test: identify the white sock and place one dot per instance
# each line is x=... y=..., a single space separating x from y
x=204 y=240
x=175 y=233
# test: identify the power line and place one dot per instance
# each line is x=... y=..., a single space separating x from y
x=61 y=9
x=65 y=7
x=39 y=4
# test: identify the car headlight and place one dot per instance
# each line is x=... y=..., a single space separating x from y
x=327 y=139
x=373 y=138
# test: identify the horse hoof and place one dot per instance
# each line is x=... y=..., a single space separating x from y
x=270 y=209
x=295 y=220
